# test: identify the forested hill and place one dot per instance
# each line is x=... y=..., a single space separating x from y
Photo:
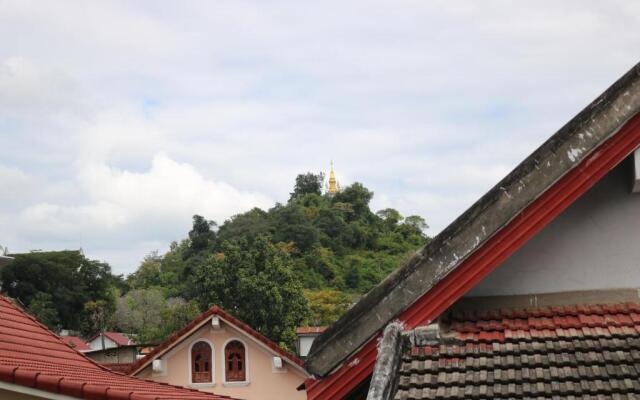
x=303 y=262
x=331 y=249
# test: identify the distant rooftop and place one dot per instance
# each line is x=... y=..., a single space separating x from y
x=306 y=330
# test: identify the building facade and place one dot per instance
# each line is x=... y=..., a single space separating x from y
x=217 y=352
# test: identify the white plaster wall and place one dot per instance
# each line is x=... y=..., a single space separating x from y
x=304 y=343
x=594 y=244
x=96 y=344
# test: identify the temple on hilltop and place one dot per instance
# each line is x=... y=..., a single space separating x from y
x=333 y=186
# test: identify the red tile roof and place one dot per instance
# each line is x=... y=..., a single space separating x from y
x=32 y=356
x=75 y=342
x=306 y=330
x=123 y=368
x=180 y=335
x=555 y=352
x=117 y=337
x=561 y=321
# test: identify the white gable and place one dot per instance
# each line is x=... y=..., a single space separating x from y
x=96 y=343
x=594 y=244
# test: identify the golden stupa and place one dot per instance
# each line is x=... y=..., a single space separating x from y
x=333 y=187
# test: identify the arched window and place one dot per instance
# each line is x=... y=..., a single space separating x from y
x=201 y=363
x=235 y=362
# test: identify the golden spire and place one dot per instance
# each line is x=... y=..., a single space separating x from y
x=334 y=187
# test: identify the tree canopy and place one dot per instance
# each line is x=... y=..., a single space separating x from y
x=306 y=184
x=56 y=286
x=254 y=282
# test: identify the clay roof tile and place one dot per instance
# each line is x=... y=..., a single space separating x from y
x=599 y=355
x=32 y=356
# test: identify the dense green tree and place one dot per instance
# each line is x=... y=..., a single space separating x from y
x=416 y=222
x=42 y=307
x=175 y=315
x=248 y=225
x=255 y=283
x=333 y=229
x=327 y=306
x=322 y=261
x=201 y=236
x=167 y=271
x=68 y=278
x=291 y=224
x=358 y=197
x=98 y=315
x=308 y=183
x=151 y=316
x=390 y=216
x=148 y=273
x=139 y=311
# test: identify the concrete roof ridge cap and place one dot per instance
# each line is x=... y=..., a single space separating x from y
x=390 y=348
x=426 y=335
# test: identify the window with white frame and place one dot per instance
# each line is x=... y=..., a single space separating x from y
x=235 y=362
x=201 y=363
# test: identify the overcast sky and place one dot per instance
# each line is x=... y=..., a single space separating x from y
x=120 y=120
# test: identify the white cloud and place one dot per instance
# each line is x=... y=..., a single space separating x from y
x=168 y=190
x=24 y=86
x=138 y=206
x=120 y=120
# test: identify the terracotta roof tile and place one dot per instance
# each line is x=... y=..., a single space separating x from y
x=32 y=356
x=577 y=352
x=118 y=367
x=304 y=330
x=75 y=342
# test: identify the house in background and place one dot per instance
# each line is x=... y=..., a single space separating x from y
x=119 y=358
x=37 y=364
x=219 y=353
x=306 y=335
x=108 y=340
x=76 y=343
x=531 y=293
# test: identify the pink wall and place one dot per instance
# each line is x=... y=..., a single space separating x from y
x=263 y=381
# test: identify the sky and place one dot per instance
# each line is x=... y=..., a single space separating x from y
x=119 y=120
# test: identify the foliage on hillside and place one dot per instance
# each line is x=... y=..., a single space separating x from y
x=303 y=262
x=308 y=260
